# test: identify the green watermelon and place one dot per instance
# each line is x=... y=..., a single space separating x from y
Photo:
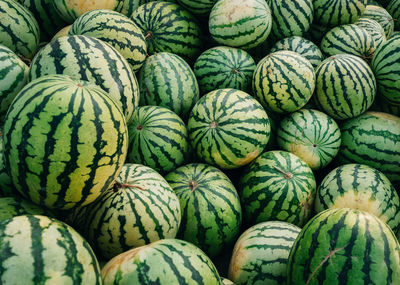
x=386 y=67
x=283 y=81
x=166 y=80
x=19 y=30
x=228 y=128
x=291 y=17
x=240 y=23
x=373 y=139
x=360 y=187
x=382 y=16
x=168 y=27
x=13 y=74
x=394 y=10
x=345 y=87
x=338 y=12
x=17 y=206
x=278 y=186
x=311 y=135
x=199 y=7
x=64 y=141
x=302 y=46
x=36 y=249
x=139 y=209
x=131 y=5
x=158 y=138
x=261 y=253
x=165 y=262
x=90 y=59
x=6 y=187
x=224 y=67
x=344 y=246
x=374 y=29
x=115 y=29
x=210 y=205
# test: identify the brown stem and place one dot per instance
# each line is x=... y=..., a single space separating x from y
x=288 y=175
x=118 y=185
x=193 y=185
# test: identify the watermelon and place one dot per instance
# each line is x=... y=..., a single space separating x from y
x=311 y=135
x=360 y=187
x=278 y=186
x=344 y=246
x=386 y=67
x=36 y=249
x=19 y=30
x=199 y=7
x=90 y=59
x=373 y=139
x=13 y=74
x=261 y=253
x=210 y=205
x=345 y=87
x=394 y=10
x=165 y=262
x=291 y=17
x=17 y=206
x=302 y=46
x=168 y=27
x=283 y=81
x=64 y=141
x=139 y=209
x=70 y=10
x=131 y=5
x=157 y=138
x=382 y=16
x=338 y=12
x=165 y=79
x=240 y=23
x=374 y=29
x=228 y=128
x=115 y=29
x=350 y=39
x=224 y=67
x=6 y=186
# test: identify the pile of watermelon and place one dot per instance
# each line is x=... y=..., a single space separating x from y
x=200 y=142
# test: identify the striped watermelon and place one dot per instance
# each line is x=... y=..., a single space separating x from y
x=394 y=10
x=382 y=16
x=311 y=135
x=345 y=87
x=36 y=249
x=165 y=79
x=291 y=18
x=360 y=187
x=210 y=205
x=16 y=206
x=19 y=30
x=373 y=139
x=228 y=128
x=240 y=23
x=283 y=81
x=69 y=10
x=6 y=187
x=115 y=29
x=374 y=29
x=261 y=253
x=13 y=74
x=386 y=67
x=302 y=46
x=157 y=138
x=43 y=11
x=350 y=39
x=224 y=67
x=168 y=27
x=64 y=141
x=168 y=261
x=139 y=209
x=338 y=12
x=199 y=7
x=344 y=246
x=90 y=59
x=131 y=5
x=278 y=185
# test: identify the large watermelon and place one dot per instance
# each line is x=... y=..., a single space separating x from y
x=228 y=128
x=64 y=141
x=344 y=246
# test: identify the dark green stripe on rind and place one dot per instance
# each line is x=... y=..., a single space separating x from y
x=394 y=10
x=337 y=12
x=382 y=16
x=374 y=29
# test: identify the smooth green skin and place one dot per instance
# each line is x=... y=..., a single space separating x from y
x=19 y=30
x=210 y=205
x=311 y=135
x=360 y=187
x=338 y=12
x=16 y=206
x=382 y=16
x=165 y=262
x=336 y=244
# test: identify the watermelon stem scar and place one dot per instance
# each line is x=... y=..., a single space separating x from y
x=288 y=175
x=149 y=35
x=193 y=185
x=118 y=185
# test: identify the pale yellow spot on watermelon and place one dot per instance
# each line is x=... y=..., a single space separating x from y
x=306 y=153
x=239 y=257
x=82 y=6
